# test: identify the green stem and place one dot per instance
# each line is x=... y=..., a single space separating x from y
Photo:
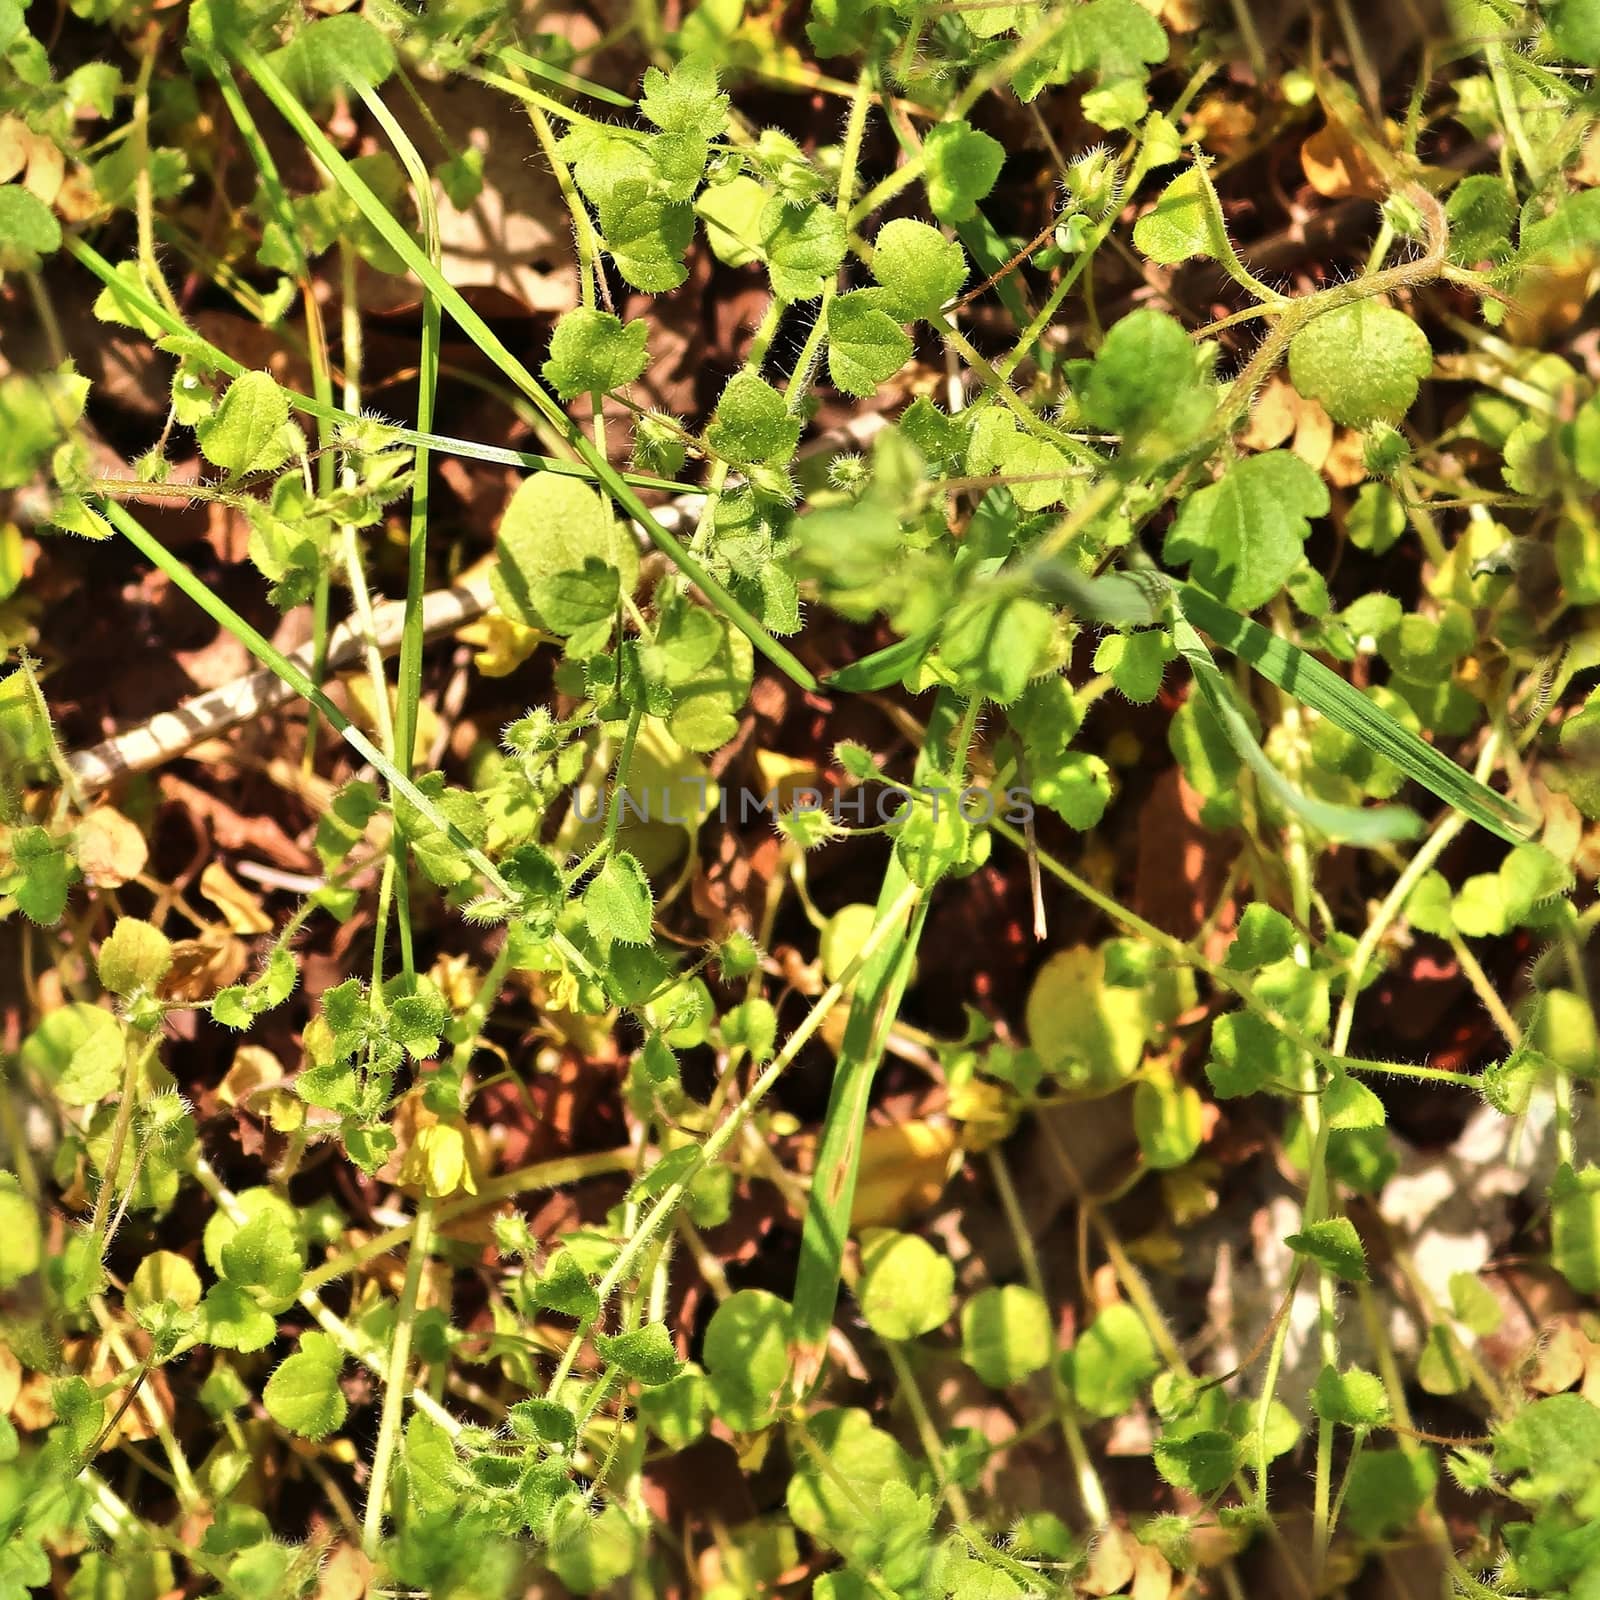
x=396 y=1379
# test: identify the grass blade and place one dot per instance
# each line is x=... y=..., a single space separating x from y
x=1325 y=692
x=1359 y=825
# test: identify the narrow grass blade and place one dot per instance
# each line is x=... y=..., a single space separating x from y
x=481 y=334
x=559 y=75
x=1141 y=598
x=1326 y=693
x=1350 y=824
x=873 y=1008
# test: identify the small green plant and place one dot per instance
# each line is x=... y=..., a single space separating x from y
x=1335 y=544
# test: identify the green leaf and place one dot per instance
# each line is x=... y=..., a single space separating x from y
x=1575 y=29
x=733 y=212
x=221 y=1228
x=1335 y=1246
x=553 y=528
x=1090 y=1033
x=752 y=426
x=230 y=1320
x=332 y=52
x=28 y=229
x=645 y=1354
x=21 y=1239
x=1264 y=935
x=1200 y=1462
x=1147 y=384
x=1568 y=232
x=1575 y=1227
x=1551 y=1447
x=746 y=1354
x=1166 y=1121
x=303 y=1394
x=802 y=246
x=1242 y=536
x=249 y=431
x=838 y=1504
x=646 y=235
x=1006 y=1334
x=1247 y=1054
x=1362 y=361
x=266 y=1260
x=593 y=351
x=1294 y=671
x=1040 y=474
x=1386 y=1489
x=686 y=100
x=41 y=873
x=1376 y=520
x=1112 y=1361
x=962 y=165
x=920 y=270
x=1136 y=662
x=564 y=1286
x=136 y=956
x=1481 y=211
x=907 y=1288
x=866 y=347
x=1354 y=1397
x=618 y=903
x=998 y=645
x=79 y=1050
x=1178 y=227
x=1475 y=1303
x=676 y=1412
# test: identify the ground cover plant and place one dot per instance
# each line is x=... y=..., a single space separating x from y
x=799 y=800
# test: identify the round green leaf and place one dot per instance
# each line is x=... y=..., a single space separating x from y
x=919 y=269
x=79 y=1049
x=1111 y=1362
x=135 y=956
x=303 y=1394
x=1006 y=1335
x=1363 y=362
x=28 y=229
x=555 y=524
x=906 y=1286
x=746 y=1355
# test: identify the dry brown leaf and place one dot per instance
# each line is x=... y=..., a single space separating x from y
x=1111 y=1562
x=345 y=1575
x=1550 y=300
x=1152 y=1577
x=1336 y=165
x=10 y=1380
x=253 y=1070
x=1346 y=463
x=111 y=848
x=514 y=240
x=1223 y=124
x=1564 y=1356
x=1273 y=416
x=240 y=909
x=1313 y=434
x=203 y=965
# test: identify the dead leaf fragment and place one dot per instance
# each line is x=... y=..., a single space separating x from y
x=240 y=909
x=111 y=849
x=1336 y=165
x=903 y=1171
